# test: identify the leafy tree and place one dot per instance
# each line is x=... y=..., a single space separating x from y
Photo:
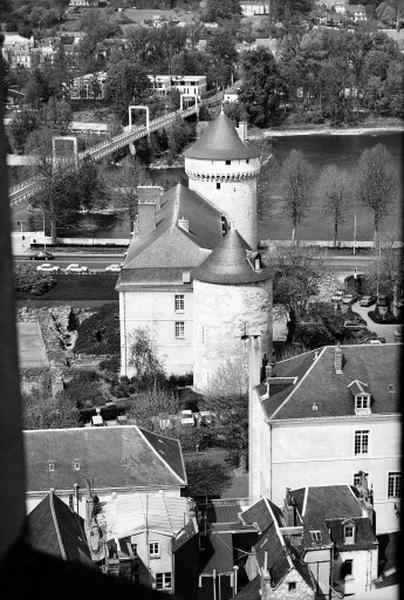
x=179 y=135
x=386 y=274
x=189 y=62
x=218 y=11
x=206 y=478
x=150 y=407
x=143 y=356
x=144 y=46
x=296 y=181
x=299 y=272
x=28 y=279
x=222 y=56
x=23 y=123
x=127 y=83
x=375 y=183
x=48 y=413
x=262 y=88
x=391 y=12
x=334 y=188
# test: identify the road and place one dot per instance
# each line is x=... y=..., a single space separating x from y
x=95 y=262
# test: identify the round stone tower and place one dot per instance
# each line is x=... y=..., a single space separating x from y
x=222 y=168
x=232 y=299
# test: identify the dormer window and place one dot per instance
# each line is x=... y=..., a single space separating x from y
x=349 y=532
x=76 y=466
x=316 y=535
x=51 y=467
x=362 y=404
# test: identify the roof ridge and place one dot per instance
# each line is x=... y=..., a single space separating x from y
x=56 y=525
x=296 y=387
x=159 y=455
x=176 y=204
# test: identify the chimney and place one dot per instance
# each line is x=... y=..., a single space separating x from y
x=242 y=130
x=183 y=223
x=338 y=358
x=146 y=218
x=150 y=194
x=288 y=510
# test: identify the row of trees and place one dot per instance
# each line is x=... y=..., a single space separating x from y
x=374 y=186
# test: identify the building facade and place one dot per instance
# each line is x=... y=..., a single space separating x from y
x=326 y=416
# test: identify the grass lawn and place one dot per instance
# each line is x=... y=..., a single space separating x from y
x=98 y=286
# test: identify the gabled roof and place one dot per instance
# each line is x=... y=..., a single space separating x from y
x=123 y=456
x=320 y=506
x=262 y=514
x=228 y=264
x=318 y=384
x=171 y=246
x=55 y=529
x=132 y=514
x=220 y=141
x=358 y=387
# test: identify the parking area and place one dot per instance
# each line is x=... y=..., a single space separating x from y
x=386 y=331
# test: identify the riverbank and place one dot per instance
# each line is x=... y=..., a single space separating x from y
x=323 y=130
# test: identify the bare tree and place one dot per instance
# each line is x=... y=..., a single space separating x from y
x=48 y=413
x=296 y=181
x=334 y=188
x=386 y=274
x=376 y=183
x=123 y=184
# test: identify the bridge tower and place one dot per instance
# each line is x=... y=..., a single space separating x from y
x=224 y=169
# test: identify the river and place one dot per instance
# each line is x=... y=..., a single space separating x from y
x=319 y=149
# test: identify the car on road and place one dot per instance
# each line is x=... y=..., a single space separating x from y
x=114 y=268
x=398 y=333
x=42 y=255
x=76 y=268
x=367 y=300
x=349 y=299
x=354 y=326
x=337 y=296
x=378 y=339
x=47 y=268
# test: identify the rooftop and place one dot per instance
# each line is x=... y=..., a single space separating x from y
x=55 y=529
x=220 y=141
x=313 y=373
x=229 y=263
x=123 y=456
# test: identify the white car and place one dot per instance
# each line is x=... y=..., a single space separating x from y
x=47 y=268
x=114 y=268
x=76 y=268
x=187 y=418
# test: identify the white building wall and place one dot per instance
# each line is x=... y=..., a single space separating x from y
x=319 y=562
x=364 y=570
x=231 y=188
x=222 y=315
x=320 y=452
x=155 y=311
x=160 y=564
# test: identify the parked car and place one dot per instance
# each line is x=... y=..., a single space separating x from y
x=398 y=332
x=76 y=268
x=187 y=418
x=42 y=255
x=47 y=268
x=337 y=296
x=114 y=268
x=367 y=300
x=354 y=326
x=349 y=299
x=374 y=340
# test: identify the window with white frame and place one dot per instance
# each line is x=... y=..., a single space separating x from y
x=361 y=445
x=316 y=535
x=362 y=403
x=349 y=533
x=154 y=549
x=394 y=485
x=357 y=479
x=163 y=581
x=179 y=330
x=179 y=302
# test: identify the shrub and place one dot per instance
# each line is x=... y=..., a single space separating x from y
x=27 y=279
x=99 y=334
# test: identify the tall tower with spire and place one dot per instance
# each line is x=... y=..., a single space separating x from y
x=224 y=169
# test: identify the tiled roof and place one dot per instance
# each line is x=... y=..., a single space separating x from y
x=218 y=553
x=150 y=276
x=128 y=515
x=321 y=505
x=228 y=263
x=55 y=529
x=317 y=383
x=224 y=515
x=262 y=514
x=111 y=457
x=364 y=534
x=220 y=141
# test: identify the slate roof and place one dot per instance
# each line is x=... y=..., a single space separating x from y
x=220 y=141
x=251 y=591
x=224 y=515
x=219 y=553
x=317 y=383
x=324 y=508
x=124 y=456
x=262 y=514
x=55 y=529
x=228 y=264
x=168 y=250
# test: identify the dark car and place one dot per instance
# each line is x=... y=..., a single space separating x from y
x=367 y=300
x=42 y=255
x=349 y=299
x=354 y=326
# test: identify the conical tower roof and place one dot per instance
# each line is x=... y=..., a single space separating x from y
x=220 y=141
x=228 y=264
